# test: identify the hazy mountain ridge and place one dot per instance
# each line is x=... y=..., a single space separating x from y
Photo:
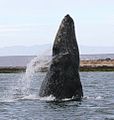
x=26 y=50
x=46 y=49
x=96 y=50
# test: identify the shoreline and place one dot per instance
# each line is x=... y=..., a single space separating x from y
x=12 y=69
x=85 y=66
x=97 y=65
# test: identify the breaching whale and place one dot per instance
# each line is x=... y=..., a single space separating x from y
x=62 y=79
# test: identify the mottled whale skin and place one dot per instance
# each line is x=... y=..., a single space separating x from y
x=62 y=79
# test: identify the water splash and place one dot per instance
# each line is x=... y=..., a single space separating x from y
x=33 y=67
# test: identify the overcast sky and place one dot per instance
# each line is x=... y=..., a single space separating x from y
x=32 y=22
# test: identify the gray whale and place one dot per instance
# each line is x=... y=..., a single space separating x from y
x=62 y=79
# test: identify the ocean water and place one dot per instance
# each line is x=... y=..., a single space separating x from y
x=19 y=101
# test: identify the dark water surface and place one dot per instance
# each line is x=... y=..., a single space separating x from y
x=97 y=104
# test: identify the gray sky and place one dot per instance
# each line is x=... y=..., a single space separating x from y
x=31 y=22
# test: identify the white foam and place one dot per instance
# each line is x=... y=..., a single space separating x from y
x=34 y=97
x=6 y=100
x=98 y=98
x=93 y=97
x=30 y=97
x=48 y=98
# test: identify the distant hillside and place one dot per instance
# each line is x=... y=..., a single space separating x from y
x=13 y=61
x=23 y=50
x=96 y=50
x=46 y=50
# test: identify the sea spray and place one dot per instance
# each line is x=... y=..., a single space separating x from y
x=33 y=67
